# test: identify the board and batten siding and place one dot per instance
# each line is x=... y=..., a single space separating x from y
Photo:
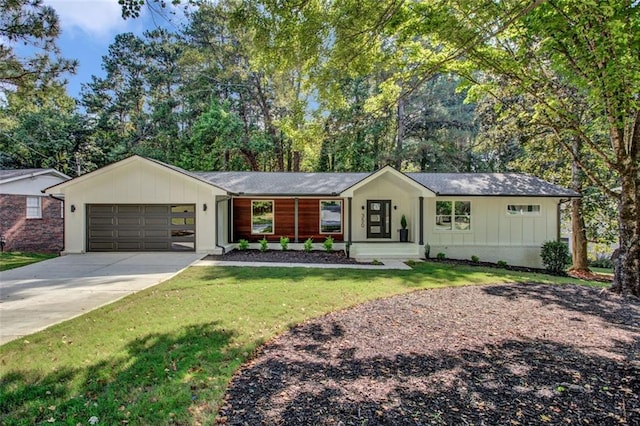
x=137 y=181
x=284 y=220
x=495 y=235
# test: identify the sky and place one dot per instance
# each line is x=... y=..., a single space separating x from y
x=90 y=26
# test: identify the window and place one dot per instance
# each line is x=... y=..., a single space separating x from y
x=34 y=208
x=453 y=215
x=330 y=216
x=523 y=209
x=262 y=217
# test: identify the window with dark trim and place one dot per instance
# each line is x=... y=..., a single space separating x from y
x=330 y=216
x=262 y=217
x=453 y=216
x=523 y=209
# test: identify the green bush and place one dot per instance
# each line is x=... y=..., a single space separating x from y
x=284 y=243
x=441 y=256
x=475 y=259
x=264 y=244
x=502 y=263
x=554 y=256
x=328 y=244
x=308 y=245
x=427 y=251
x=602 y=261
x=243 y=245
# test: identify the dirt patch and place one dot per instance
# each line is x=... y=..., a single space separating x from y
x=509 y=354
x=286 y=256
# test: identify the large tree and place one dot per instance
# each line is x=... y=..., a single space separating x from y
x=30 y=61
x=592 y=46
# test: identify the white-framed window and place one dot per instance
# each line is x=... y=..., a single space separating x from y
x=453 y=216
x=262 y=217
x=331 y=216
x=523 y=209
x=34 y=207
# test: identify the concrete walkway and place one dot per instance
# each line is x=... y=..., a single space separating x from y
x=37 y=296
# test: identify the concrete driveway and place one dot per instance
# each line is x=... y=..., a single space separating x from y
x=37 y=296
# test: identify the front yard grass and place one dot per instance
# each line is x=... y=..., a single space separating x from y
x=166 y=354
x=16 y=259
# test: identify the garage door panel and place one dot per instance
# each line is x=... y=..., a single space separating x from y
x=127 y=227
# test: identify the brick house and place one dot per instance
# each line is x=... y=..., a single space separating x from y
x=29 y=220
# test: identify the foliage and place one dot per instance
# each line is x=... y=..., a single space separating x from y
x=441 y=256
x=602 y=261
x=284 y=243
x=403 y=222
x=427 y=251
x=328 y=244
x=475 y=259
x=554 y=256
x=32 y=24
x=264 y=244
x=243 y=245
x=502 y=263
x=308 y=245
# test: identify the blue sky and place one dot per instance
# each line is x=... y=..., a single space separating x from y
x=89 y=27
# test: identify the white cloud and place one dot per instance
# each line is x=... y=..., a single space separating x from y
x=96 y=18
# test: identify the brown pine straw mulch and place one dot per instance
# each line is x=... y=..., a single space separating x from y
x=494 y=355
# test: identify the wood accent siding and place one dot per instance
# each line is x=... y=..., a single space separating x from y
x=284 y=226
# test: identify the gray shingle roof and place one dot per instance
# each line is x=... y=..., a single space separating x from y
x=282 y=183
x=7 y=175
x=490 y=184
x=454 y=184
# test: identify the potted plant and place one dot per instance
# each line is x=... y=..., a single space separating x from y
x=404 y=232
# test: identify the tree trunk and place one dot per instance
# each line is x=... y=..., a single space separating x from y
x=627 y=263
x=578 y=237
x=578 y=228
x=400 y=134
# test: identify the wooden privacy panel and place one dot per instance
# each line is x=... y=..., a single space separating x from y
x=284 y=215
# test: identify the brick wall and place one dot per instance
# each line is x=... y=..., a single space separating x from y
x=43 y=235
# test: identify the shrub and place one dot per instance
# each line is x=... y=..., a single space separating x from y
x=502 y=263
x=308 y=245
x=376 y=262
x=264 y=244
x=328 y=244
x=243 y=245
x=554 y=256
x=284 y=243
x=427 y=251
x=441 y=256
x=602 y=261
x=403 y=222
x=475 y=259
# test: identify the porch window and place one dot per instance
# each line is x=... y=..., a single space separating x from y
x=330 y=216
x=34 y=208
x=262 y=217
x=523 y=209
x=453 y=216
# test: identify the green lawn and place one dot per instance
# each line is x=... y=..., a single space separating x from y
x=165 y=355
x=10 y=260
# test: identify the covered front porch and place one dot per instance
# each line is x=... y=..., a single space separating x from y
x=375 y=208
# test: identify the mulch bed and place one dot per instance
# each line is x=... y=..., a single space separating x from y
x=489 y=355
x=288 y=256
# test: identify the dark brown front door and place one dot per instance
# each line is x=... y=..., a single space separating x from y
x=140 y=227
x=378 y=218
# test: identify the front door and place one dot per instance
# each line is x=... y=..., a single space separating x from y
x=378 y=218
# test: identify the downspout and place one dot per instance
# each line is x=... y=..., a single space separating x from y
x=349 y=200
x=64 y=220
x=421 y=227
